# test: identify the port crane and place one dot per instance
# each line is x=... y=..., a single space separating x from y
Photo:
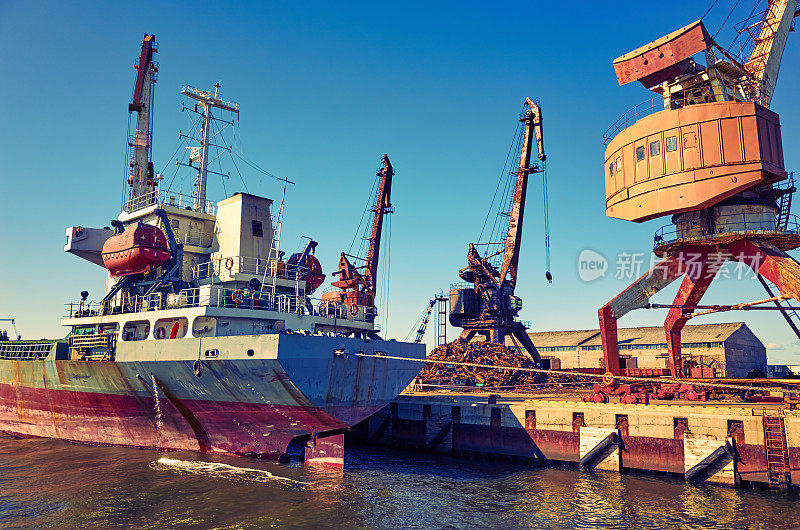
x=13 y=323
x=426 y=316
x=358 y=284
x=712 y=159
x=489 y=307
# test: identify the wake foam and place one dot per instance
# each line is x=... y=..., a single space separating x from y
x=217 y=470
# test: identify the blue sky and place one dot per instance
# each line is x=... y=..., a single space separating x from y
x=325 y=89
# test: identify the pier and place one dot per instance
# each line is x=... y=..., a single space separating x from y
x=733 y=444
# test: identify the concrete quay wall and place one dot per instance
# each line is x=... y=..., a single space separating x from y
x=718 y=443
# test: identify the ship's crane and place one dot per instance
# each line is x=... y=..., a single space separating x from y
x=141 y=178
x=358 y=284
x=489 y=307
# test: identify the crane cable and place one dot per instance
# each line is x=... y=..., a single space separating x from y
x=709 y=9
x=726 y=19
x=417 y=324
x=500 y=182
x=546 y=214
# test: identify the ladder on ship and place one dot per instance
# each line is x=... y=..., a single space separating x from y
x=780 y=477
x=275 y=254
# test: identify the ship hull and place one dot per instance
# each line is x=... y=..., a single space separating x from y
x=294 y=388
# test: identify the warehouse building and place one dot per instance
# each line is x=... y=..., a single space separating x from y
x=709 y=350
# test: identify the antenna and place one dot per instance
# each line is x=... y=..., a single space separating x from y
x=199 y=155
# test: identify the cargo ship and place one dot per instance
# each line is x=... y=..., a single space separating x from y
x=205 y=339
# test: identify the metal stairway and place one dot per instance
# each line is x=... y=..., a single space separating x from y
x=777 y=452
x=785 y=205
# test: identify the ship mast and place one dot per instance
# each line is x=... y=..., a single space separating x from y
x=199 y=155
x=141 y=179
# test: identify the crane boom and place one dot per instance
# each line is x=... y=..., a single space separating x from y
x=359 y=287
x=382 y=206
x=533 y=125
x=141 y=178
x=765 y=60
x=426 y=317
x=13 y=323
x=424 y=325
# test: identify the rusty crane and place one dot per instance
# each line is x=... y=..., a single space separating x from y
x=489 y=307
x=358 y=284
x=709 y=153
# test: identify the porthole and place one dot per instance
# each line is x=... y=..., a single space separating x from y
x=250 y=353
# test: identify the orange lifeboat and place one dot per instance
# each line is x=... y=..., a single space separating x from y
x=139 y=249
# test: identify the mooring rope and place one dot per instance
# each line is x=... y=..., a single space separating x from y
x=588 y=376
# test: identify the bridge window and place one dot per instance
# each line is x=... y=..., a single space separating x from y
x=672 y=143
x=655 y=148
x=258 y=231
x=640 y=153
x=611 y=168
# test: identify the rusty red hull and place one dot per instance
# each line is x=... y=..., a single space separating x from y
x=247 y=405
x=175 y=424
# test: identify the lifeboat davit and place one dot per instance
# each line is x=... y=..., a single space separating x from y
x=313 y=275
x=138 y=250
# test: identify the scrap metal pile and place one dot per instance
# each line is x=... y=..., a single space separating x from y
x=436 y=374
x=495 y=355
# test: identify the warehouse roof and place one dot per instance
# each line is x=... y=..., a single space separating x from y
x=642 y=335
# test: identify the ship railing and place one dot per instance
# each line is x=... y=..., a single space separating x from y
x=167 y=198
x=227 y=298
x=735 y=223
x=228 y=266
x=25 y=350
x=738 y=91
x=82 y=309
